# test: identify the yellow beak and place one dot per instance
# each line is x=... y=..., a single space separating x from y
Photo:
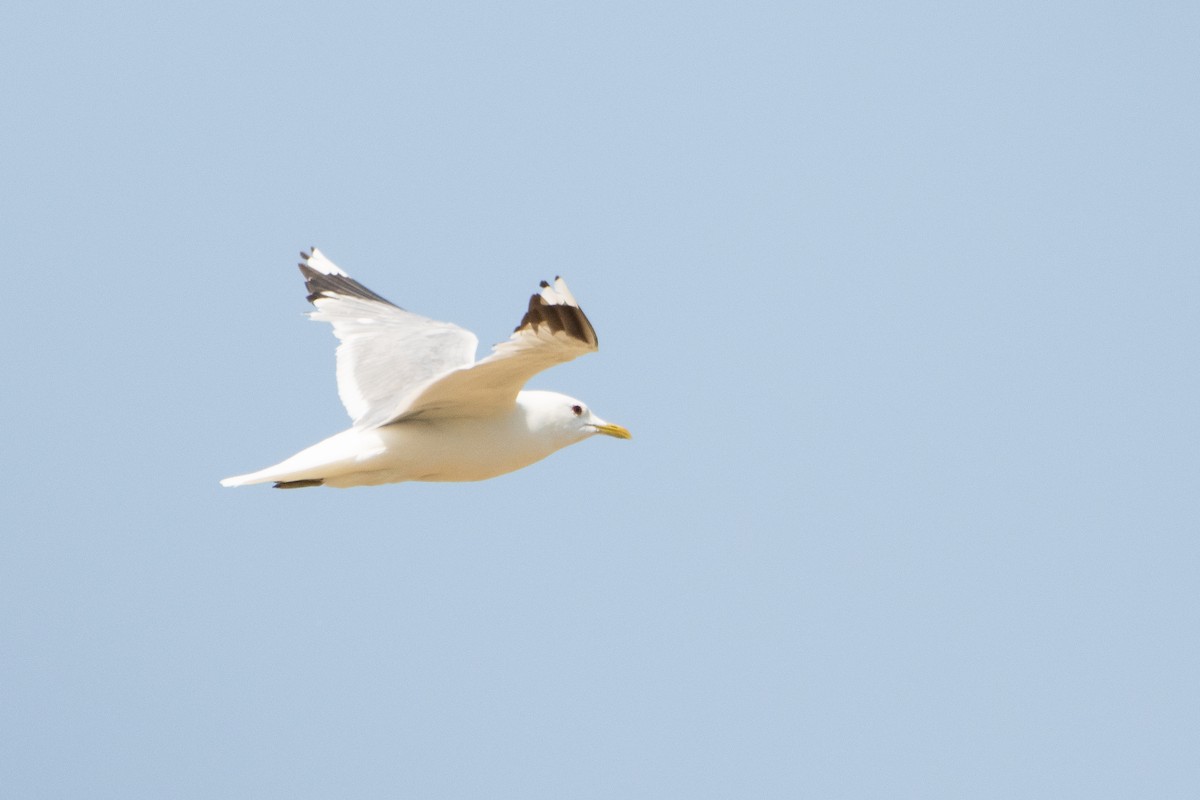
x=608 y=429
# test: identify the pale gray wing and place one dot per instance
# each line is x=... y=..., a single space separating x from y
x=387 y=355
x=554 y=330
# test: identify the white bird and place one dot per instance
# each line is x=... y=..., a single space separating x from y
x=423 y=408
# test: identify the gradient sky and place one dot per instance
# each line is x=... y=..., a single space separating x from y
x=899 y=301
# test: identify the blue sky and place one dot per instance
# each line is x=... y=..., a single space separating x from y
x=899 y=302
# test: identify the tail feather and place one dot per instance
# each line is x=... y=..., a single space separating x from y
x=314 y=465
x=241 y=480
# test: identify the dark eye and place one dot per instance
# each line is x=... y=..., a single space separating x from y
x=577 y=410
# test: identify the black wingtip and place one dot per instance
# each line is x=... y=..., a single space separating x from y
x=321 y=285
x=568 y=319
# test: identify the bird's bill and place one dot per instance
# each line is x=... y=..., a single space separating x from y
x=609 y=429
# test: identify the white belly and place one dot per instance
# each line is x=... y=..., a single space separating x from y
x=444 y=450
x=438 y=450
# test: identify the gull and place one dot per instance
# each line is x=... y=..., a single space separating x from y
x=423 y=408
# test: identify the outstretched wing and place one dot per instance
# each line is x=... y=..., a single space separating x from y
x=554 y=330
x=387 y=355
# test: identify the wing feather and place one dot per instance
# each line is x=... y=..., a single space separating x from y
x=394 y=365
x=553 y=331
x=386 y=354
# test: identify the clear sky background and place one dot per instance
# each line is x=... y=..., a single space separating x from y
x=899 y=301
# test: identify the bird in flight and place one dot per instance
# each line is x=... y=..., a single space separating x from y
x=423 y=408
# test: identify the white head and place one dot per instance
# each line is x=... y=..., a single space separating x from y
x=565 y=418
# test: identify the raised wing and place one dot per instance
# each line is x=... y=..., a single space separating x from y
x=554 y=330
x=387 y=355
